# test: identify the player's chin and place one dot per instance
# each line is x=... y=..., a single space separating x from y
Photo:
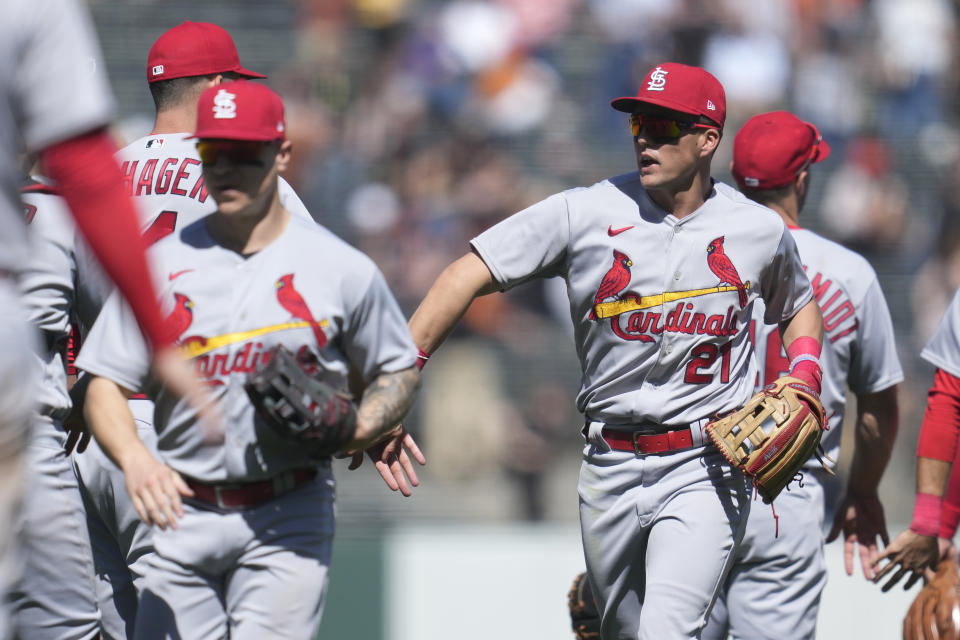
x=651 y=177
x=229 y=200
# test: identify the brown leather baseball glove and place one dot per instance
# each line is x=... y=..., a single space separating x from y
x=773 y=435
x=935 y=612
x=584 y=616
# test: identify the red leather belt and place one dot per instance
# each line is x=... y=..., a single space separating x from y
x=638 y=442
x=243 y=495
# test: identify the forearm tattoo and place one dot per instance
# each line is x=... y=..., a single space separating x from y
x=387 y=399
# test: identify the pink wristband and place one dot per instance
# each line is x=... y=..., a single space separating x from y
x=422 y=358
x=804 y=345
x=926 y=515
x=949 y=521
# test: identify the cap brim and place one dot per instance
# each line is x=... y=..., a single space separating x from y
x=225 y=134
x=823 y=151
x=246 y=73
x=629 y=104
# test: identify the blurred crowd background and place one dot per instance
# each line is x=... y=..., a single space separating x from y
x=418 y=123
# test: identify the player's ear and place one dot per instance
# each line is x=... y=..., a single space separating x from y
x=283 y=155
x=709 y=141
x=801 y=182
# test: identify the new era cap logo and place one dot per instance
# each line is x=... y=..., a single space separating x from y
x=711 y=106
x=224 y=105
x=751 y=182
x=157 y=69
x=658 y=80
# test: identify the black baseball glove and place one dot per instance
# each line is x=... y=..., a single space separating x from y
x=299 y=407
x=584 y=617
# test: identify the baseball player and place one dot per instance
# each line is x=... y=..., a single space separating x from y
x=163 y=174
x=937 y=506
x=57 y=104
x=774 y=587
x=55 y=596
x=246 y=554
x=662 y=267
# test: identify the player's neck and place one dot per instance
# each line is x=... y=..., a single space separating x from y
x=684 y=201
x=786 y=211
x=176 y=120
x=252 y=230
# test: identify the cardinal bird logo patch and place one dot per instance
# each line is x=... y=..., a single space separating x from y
x=616 y=280
x=181 y=317
x=721 y=266
x=291 y=300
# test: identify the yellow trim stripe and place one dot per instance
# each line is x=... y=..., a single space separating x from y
x=198 y=348
x=610 y=309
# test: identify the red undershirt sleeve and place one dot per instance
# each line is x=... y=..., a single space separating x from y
x=941 y=420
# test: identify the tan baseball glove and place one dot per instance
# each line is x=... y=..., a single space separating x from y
x=935 y=612
x=773 y=435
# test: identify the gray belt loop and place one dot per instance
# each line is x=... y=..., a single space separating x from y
x=698 y=432
x=595 y=435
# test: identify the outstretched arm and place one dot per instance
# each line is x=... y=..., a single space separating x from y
x=916 y=549
x=860 y=516
x=448 y=299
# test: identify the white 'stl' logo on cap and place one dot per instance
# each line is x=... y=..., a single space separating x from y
x=711 y=106
x=658 y=80
x=224 y=105
x=157 y=69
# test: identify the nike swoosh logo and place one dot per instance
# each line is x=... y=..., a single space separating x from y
x=612 y=232
x=176 y=274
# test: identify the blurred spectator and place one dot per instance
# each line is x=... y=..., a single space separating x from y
x=865 y=204
x=914 y=42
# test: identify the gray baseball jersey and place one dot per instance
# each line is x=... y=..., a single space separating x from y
x=308 y=290
x=661 y=308
x=61 y=284
x=941 y=350
x=779 y=572
x=859 y=351
x=164 y=175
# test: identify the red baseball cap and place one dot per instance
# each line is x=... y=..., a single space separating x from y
x=771 y=149
x=194 y=49
x=240 y=110
x=680 y=88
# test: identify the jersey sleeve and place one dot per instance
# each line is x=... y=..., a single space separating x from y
x=292 y=202
x=785 y=286
x=60 y=82
x=115 y=348
x=943 y=349
x=531 y=243
x=47 y=280
x=376 y=338
x=874 y=364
